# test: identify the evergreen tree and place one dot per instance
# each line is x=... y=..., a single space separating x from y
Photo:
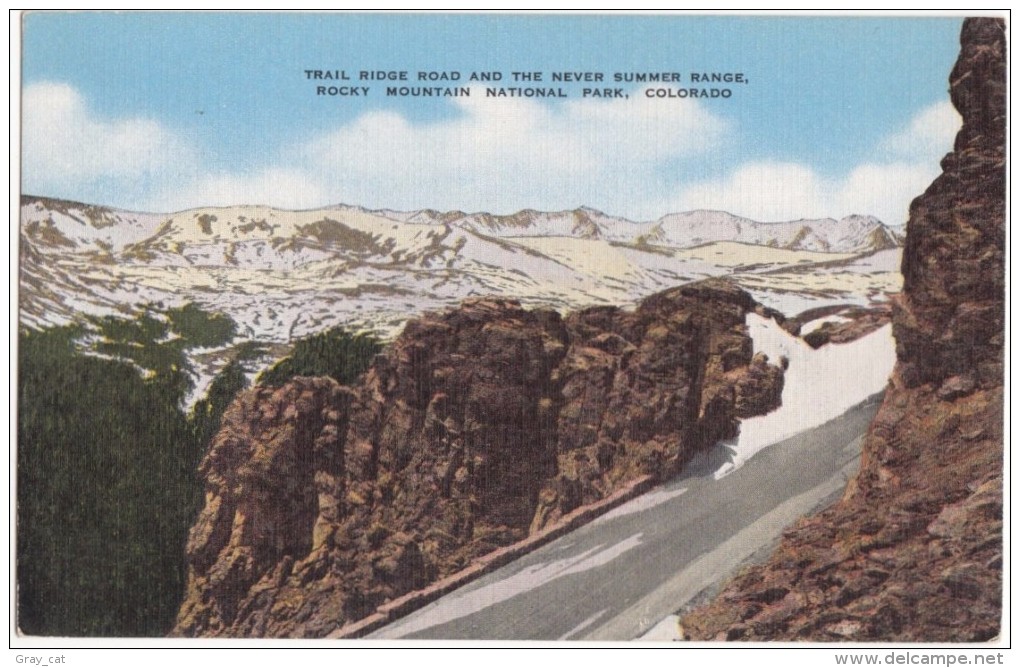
x=333 y=353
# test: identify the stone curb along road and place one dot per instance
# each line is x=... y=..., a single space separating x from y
x=488 y=563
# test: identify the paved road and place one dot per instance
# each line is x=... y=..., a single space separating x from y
x=618 y=577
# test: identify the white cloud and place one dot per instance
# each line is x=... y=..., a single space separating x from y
x=772 y=191
x=506 y=154
x=500 y=155
x=906 y=162
x=496 y=154
x=71 y=151
x=929 y=135
x=279 y=187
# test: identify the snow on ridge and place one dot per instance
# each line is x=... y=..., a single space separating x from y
x=372 y=271
x=851 y=233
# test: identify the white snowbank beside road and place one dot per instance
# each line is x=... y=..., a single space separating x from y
x=819 y=385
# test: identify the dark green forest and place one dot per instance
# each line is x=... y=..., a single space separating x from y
x=106 y=491
x=107 y=459
x=334 y=353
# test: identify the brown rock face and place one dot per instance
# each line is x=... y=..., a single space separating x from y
x=913 y=552
x=952 y=318
x=476 y=427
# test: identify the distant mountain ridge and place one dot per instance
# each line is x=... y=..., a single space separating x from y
x=850 y=234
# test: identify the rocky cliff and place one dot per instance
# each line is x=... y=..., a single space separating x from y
x=478 y=426
x=913 y=552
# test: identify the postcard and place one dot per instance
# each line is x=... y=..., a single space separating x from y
x=510 y=327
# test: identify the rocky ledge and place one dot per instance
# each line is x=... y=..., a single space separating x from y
x=842 y=323
x=475 y=428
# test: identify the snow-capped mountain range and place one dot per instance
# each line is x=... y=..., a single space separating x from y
x=282 y=274
x=679 y=230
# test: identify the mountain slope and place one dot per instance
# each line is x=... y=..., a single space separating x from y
x=286 y=274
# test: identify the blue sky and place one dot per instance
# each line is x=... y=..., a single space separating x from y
x=174 y=110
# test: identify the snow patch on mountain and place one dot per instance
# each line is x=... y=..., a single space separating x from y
x=285 y=274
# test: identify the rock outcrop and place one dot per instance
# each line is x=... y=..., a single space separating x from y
x=845 y=323
x=913 y=552
x=476 y=427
